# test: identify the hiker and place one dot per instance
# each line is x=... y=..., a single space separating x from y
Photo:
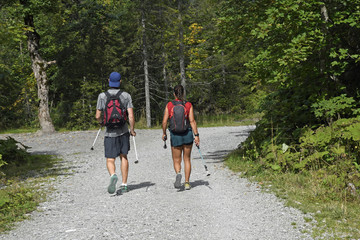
x=117 y=136
x=182 y=127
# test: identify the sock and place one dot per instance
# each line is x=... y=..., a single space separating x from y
x=124 y=184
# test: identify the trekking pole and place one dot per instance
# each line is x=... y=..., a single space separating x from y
x=92 y=147
x=137 y=159
x=207 y=172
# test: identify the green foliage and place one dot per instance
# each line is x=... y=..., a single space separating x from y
x=336 y=106
x=333 y=149
x=13 y=152
x=2 y=162
x=321 y=193
x=21 y=193
x=305 y=56
x=15 y=203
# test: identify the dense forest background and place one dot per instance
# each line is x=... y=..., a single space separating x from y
x=296 y=62
x=155 y=45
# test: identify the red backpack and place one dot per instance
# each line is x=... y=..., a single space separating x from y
x=178 y=115
x=115 y=115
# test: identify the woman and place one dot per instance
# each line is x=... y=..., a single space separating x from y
x=181 y=143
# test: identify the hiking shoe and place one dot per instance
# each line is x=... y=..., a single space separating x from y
x=124 y=188
x=112 y=185
x=187 y=186
x=177 y=183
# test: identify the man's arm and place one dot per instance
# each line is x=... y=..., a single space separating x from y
x=98 y=116
x=131 y=121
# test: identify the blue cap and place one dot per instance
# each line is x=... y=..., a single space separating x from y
x=114 y=79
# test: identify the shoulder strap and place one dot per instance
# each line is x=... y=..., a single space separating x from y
x=118 y=94
x=107 y=94
x=178 y=102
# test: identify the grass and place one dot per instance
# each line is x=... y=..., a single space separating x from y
x=21 y=190
x=226 y=120
x=333 y=216
x=19 y=130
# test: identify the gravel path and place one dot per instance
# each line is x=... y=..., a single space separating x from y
x=220 y=206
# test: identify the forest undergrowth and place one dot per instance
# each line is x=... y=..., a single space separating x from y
x=318 y=174
x=22 y=178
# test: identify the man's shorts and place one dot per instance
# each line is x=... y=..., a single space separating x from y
x=114 y=146
x=178 y=140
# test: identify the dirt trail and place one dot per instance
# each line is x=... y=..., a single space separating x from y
x=219 y=206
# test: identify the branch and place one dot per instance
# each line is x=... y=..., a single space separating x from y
x=51 y=62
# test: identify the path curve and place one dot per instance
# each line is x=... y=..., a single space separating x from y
x=219 y=206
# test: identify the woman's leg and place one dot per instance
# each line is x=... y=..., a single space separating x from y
x=176 y=155
x=187 y=162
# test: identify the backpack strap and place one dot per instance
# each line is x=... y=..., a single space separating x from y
x=107 y=94
x=118 y=94
x=178 y=102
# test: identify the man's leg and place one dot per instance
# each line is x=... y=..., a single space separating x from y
x=124 y=168
x=110 y=164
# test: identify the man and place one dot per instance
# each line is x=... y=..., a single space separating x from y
x=117 y=140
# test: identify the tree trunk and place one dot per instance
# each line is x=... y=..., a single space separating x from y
x=223 y=69
x=146 y=73
x=181 y=48
x=39 y=68
x=165 y=79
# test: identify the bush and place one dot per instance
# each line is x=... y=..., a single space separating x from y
x=13 y=152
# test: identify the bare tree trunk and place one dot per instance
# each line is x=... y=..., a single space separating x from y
x=181 y=48
x=146 y=73
x=165 y=79
x=323 y=55
x=39 y=67
x=325 y=17
x=223 y=70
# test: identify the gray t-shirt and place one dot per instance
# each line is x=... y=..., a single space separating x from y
x=125 y=100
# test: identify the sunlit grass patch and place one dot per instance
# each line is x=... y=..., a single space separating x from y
x=19 y=130
x=226 y=120
x=22 y=188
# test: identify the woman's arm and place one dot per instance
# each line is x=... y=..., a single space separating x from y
x=194 y=126
x=164 y=122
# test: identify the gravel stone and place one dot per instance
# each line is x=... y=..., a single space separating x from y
x=220 y=206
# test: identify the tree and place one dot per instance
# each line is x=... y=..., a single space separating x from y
x=181 y=46
x=146 y=70
x=39 y=66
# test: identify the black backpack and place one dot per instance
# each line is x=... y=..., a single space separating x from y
x=178 y=117
x=115 y=115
